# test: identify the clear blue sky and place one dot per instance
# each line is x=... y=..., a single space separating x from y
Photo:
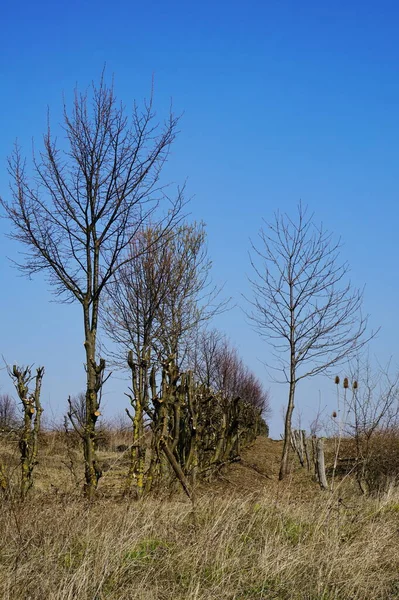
x=282 y=101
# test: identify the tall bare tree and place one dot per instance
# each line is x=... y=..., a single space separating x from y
x=83 y=205
x=152 y=306
x=303 y=305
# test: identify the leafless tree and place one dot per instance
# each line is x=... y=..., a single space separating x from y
x=86 y=201
x=303 y=305
x=8 y=413
x=218 y=366
x=157 y=300
x=374 y=399
x=152 y=306
x=192 y=299
x=77 y=409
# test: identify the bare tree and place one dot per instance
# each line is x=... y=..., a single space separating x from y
x=77 y=410
x=8 y=413
x=374 y=398
x=84 y=204
x=156 y=301
x=219 y=367
x=152 y=306
x=192 y=300
x=303 y=305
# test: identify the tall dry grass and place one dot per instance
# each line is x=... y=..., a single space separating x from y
x=264 y=545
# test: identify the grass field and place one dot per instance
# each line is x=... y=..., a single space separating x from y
x=247 y=537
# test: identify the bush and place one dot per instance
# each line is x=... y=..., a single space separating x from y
x=381 y=464
x=374 y=459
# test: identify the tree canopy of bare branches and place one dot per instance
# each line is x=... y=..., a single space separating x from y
x=218 y=366
x=371 y=418
x=83 y=203
x=303 y=304
x=374 y=402
x=156 y=301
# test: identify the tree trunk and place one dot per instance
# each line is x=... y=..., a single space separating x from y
x=287 y=431
x=139 y=404
x=177 y=468
x=94 y=382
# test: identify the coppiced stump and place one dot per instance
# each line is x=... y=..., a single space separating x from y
x=32 y=410
x=139 y=401
x=193 y=428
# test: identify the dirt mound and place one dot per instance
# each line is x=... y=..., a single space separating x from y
x=259 y=466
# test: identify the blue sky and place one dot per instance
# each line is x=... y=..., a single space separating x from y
x=282 y=101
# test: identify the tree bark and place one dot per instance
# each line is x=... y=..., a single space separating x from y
x=94 y=377
x=287 y=432
x=177 y=468
x=32 y=410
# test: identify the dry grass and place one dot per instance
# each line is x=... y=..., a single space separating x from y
x=228 y=548
x=248 y=538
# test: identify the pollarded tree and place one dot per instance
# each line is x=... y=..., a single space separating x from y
x=302 y=304
x=130 y=317
x=83 y=205
x=240 y=403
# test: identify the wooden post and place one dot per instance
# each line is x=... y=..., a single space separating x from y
x=321 y=470
x=306 y=448
x=297 y=445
